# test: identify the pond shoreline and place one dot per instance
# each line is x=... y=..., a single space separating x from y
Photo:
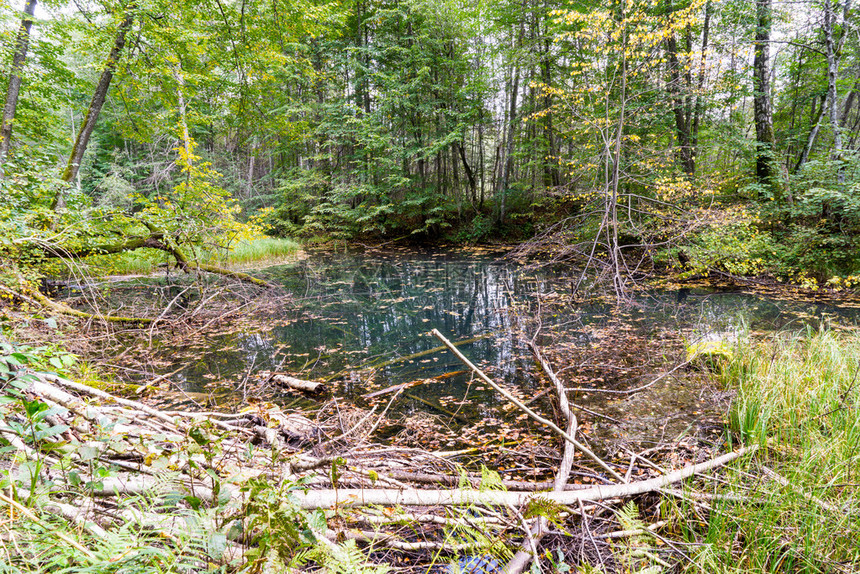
x=616 y=352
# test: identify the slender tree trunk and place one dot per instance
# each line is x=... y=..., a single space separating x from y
x=507 y=160
x=183 y=121
x=699 y=108
x=832 y=76
x=469 y=175
x=615 y=256
x=682 y=117
x=849 y=103
x=252 y=160
x=551 y=175
x=481 y=160
x=813 y=133
x=761 y=98
x=795 y=100
x=22 y=44
x=92 y=115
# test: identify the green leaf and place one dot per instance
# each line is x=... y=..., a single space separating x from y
x=217 y=544
x=194 y=502
x=51 y=431
x=32 y=408
x=199 y=436
x=88 y=452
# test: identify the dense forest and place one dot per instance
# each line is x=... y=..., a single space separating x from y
x=701 y=134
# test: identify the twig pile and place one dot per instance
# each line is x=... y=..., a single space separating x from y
x=387 y=497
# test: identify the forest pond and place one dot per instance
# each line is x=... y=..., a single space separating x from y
x=361 y=321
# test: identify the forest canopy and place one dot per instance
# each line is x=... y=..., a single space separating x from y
x=700 y=134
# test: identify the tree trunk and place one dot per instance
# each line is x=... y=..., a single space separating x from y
x=616 y=258
x=699 y=108
x=92 y=115
x=312 y=499
x=183 y=121
x=469 y=175
x=813 y=133
x=849 y=103
x=761 y=98
x=832 y=76
x=551 y=175
x=682 y=117
x=481 y=159
x=21 y=46
x=507 y=160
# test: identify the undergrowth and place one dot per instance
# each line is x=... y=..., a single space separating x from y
x=794 y=506
x=53 y=470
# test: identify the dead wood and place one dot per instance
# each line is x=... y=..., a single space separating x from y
x=292 y=382
x=403 y=358
x=475 y=481
x=386 y=475
x=36 y=298
x=782 y=481
x=584 y=449
x=29 y=514
x=347 y=497
x=528 y=548
x=436 y=406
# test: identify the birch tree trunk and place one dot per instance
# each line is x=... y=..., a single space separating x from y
x=834 y=47
x=813 y=133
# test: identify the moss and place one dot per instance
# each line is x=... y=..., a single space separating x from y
x=711 y=354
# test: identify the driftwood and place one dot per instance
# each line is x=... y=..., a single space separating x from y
x=293 y=382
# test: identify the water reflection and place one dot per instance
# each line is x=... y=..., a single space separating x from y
x=354 y=310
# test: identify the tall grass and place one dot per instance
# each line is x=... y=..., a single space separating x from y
x=799 y=398
x=244 y=252
x=262 y=249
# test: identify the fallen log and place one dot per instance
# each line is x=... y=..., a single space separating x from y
x=293 y=382
x=314 y=499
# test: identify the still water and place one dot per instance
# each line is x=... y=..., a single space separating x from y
x=357 y=320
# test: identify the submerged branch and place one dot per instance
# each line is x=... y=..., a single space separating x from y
x=584 y=449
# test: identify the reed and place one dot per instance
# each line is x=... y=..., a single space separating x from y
x=799 y=397
x=243 y=252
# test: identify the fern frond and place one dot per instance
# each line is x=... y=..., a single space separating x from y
x=490 y=480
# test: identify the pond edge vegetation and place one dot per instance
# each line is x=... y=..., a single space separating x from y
x=784 y=501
